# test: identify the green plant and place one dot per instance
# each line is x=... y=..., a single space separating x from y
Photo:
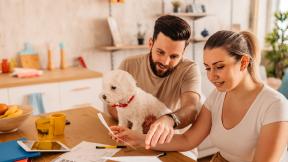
x=141 y=35
x=176 y=3
x=277 y=57
x=141 y=31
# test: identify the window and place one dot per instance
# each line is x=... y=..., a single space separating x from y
x=283 y=5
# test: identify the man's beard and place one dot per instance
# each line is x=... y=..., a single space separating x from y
x=156 y=72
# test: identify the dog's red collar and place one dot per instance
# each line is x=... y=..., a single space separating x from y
x=121 y=105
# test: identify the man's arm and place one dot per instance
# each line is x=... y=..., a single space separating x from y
x=188 y=111
x=113 y=112
x=162 y=129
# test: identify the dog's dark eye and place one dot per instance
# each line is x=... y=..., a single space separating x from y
x=113 y=87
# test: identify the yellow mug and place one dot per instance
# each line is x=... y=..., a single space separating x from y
x=44 y=129
x=49 y=126
x=58 y=121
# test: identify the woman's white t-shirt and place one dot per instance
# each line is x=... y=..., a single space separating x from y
x=238 y=143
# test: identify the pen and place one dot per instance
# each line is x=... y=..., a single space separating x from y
x=109 y=147
x=162 y=154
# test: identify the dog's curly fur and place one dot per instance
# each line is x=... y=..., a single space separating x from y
x=118 y=88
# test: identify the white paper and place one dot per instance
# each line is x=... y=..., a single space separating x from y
x=100 y=116
x=190 y=154
x=87 y=152
x=134 y=158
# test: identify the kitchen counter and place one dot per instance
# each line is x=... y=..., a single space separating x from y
x=56 y=75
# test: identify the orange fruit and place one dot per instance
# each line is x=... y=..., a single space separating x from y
x=3 y=108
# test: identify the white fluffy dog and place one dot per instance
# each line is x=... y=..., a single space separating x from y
x=132 y=103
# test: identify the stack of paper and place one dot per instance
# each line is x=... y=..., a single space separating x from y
x=134 y=158
x=87 y=152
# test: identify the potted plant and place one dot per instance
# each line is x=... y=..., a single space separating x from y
x=140 y=34
x=277 y=57
x=176 y=5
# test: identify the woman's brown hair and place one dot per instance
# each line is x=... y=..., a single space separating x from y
x=238 y=45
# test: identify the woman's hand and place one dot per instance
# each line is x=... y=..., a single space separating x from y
x=127 y=135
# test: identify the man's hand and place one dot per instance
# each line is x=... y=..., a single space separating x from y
x=149 y=120
x=160 y=131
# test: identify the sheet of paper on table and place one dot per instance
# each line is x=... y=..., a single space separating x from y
x=190 y=154
x=134 y=158
x=87 y=152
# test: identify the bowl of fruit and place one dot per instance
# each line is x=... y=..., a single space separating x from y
x=12 y=116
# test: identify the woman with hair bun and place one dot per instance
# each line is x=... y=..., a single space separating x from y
x=247 y=120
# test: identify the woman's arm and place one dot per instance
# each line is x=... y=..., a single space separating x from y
x=272 y=142
x=190 y=139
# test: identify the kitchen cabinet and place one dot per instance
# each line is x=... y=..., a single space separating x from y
x=4 y=95
x=60 y=96
x=59 y=89
x=81 y=93
x=49 y=92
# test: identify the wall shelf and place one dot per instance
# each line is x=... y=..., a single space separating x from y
x=198 y=40
x=123 y=47
x=193 y=16
x=112 y=49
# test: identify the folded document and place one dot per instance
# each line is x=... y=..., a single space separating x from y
x=134 y=158
x=87 y=152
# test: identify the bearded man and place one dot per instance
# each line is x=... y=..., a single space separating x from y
x=168 y=75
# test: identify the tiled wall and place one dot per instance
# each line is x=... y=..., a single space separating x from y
x=81 y=25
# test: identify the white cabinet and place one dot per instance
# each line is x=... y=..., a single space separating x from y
x=4 y=95
x=49 y=92
x=98 y=89
x=59 y=95
x=81 y=93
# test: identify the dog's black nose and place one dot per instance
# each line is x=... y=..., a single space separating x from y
x=104 y=97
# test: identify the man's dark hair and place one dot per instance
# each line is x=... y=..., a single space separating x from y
x=172 y=27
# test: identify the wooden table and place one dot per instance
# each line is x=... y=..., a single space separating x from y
x=84 y=126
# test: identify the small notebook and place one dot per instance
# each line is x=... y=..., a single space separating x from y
x=11 y=151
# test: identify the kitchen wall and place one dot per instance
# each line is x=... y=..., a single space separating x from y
x=81 y=25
